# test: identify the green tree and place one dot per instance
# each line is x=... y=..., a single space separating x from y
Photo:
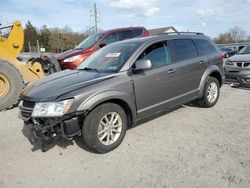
x=44 y=38
x=30 y=36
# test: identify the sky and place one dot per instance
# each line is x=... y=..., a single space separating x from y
x=210 y=17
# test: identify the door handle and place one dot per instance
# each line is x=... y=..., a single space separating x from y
x=202 y=62
x=171 y=71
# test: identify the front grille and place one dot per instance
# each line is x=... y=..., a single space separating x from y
x=26 y=109
x=242 y=64
x=239 y=64
x=26 y=114
x=246 y=64
x=28 y=104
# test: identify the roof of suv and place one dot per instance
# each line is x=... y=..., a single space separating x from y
x=164 y=37
x=121 y=29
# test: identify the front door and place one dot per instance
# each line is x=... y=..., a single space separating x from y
x=155 y=88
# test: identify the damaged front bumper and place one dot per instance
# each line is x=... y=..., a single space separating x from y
x=44 y=132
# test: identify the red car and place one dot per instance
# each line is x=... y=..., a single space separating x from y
x=72 y=58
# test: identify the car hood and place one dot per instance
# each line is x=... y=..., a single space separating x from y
x=239 y=57
x=69 y=53
x=55 y=85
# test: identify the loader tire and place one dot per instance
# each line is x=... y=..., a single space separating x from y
x=11 y=84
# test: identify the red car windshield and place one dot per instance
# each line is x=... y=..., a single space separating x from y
x=90 y=41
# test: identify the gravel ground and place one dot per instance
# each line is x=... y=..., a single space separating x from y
x=189 y=147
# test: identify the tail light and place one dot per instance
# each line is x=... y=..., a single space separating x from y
x=222 y=56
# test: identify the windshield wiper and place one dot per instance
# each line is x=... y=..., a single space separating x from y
x=90 y=69
x=78 y=48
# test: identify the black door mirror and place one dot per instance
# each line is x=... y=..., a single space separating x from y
x=102 y=45
x=143 y=64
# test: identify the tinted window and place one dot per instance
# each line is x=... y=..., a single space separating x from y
x=158 y=54
x=125 y=34
x=204 y=47
x=113 y=37
x=245 y=50
x=137 y=32
x=90 y=41
x=184 y=49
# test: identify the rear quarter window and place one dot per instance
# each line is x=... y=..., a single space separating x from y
x=184 y=49
x=204 y=47
x=127 y=34
x=137 y=32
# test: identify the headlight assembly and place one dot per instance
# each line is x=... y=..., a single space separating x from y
x=228 y=62
x=70 y=59
x=52 y=109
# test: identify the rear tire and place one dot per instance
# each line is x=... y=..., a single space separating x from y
x=211 y=93
x=10 y=77
x=104 y=128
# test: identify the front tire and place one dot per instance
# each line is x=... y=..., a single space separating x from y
x=104 y=128
x=210 y=94
x=11 y=84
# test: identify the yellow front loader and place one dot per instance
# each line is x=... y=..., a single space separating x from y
x=13 y=73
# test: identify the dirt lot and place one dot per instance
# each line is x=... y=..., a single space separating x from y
x=189 y=147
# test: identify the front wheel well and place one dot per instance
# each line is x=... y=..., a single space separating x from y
x=124 y=106
x=217 y=75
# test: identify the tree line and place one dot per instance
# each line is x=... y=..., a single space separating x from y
x=233 y=35
x=61 y=39
x=52 y=39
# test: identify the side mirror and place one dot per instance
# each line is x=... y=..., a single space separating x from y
x=102 y=45
x=142 y=64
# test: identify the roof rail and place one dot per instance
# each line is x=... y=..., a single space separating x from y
x=182 y=33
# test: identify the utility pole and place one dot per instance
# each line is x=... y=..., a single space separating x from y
x=96 y=15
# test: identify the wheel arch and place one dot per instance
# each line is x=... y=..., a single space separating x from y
x=212 y=71
x=116 y=97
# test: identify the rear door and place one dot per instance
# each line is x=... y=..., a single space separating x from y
x=190 y=65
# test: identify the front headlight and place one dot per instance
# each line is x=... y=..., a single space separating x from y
x=71 y=59
x=52 y=109
x=228 y=62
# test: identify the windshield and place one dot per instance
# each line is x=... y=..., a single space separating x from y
x=90 y=41
x=245 y=50
x=109 y=59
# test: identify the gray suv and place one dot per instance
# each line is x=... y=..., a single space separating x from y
x=237 y=67
x=120 y=85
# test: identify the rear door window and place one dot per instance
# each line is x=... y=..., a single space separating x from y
x=110 y=38
x=137 y=32
x=127 y=34
x=184 y=49
x=204 y=47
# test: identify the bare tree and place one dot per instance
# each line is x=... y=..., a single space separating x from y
x=234 y=35
x=237 y=34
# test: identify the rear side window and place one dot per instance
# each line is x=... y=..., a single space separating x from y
x=137 y=32
x=112 y=37
x=127 y=34
x=204 y=47
x=184 y=49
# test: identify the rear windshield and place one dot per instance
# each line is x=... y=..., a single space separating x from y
x=90 y=41
x=109 y=59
